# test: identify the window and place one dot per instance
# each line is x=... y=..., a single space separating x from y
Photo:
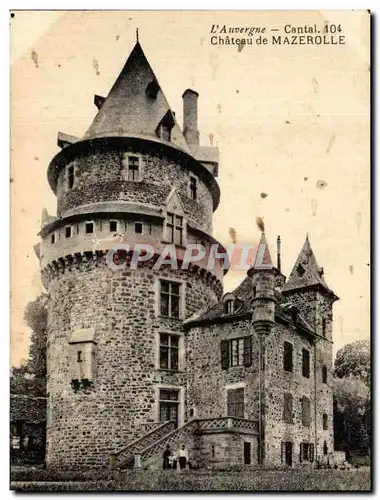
x=89 y=227
x=165 y=126
x=193 y=188
x=235 y=402
x=77 y=228
x=70 y=177
x=169 y=350
x=213 y=451
x=288 y=356
x=324 y=374
x=324 y=327
x=52 y=238
x=138 y=227
x=301 y=270
x=170 y=299
x=68 y=231
x=152 y=89
x=133 y=168
x=164 y=132
x=236 y=352
x=306 y=363
x=325 y=449
x=79 y=356
x=307 y=452
x=306 y=413
x=168 y=405
x=325 y=422
x=288 y=408
x=113 y=226
x=174 y=224
x=229 y=306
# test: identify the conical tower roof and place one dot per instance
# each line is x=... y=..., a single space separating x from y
x=306 y=271
x=263 y=259
x=135 y=105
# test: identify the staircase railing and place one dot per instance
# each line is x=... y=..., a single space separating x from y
x=141 y=450
x=127 y=453
x=173 y=437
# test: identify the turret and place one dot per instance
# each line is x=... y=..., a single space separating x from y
x=307 y=290
x=263 y=276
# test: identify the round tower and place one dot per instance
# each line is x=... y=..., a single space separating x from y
x=116 y=355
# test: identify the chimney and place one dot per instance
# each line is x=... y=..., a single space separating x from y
x=190 y=116
x=279 y=253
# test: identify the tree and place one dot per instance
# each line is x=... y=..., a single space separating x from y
x=352 y=403
x=354 y=360
x=30 y=377
x=350 y=414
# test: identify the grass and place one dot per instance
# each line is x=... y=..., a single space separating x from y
x=247 y=480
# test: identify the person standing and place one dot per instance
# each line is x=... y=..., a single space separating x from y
x=166 y=458
x=183 y=457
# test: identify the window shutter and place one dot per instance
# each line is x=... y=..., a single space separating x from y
x=247 y=351
x=306 y=418
x=311 y=452
x=282 y=451
x=288 y=408
x=301 y=450
x=225 y=354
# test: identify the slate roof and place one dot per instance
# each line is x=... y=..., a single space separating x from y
x=312 y=275
x=306 y=271
x=129 y=110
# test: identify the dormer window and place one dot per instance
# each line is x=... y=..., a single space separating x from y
x=295 y=312
x=174 y=225
x=229 y=306
x=164 y=128
x=152 y=89
x=301 y=270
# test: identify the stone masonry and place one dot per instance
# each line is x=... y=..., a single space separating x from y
x=128 y=348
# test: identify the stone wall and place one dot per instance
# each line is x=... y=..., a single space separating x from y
x=204 y=367
x=102 y=177
x=83 y=427
x=204 y=364
x=225 y=450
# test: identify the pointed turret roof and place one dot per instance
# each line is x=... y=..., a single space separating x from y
x=263 y=259
x=135 y=105
x=306 y=271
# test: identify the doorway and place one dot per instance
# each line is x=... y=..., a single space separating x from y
x=247 y=453
x=169 y=404
x=288 y=453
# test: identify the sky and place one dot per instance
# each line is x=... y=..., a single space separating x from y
x=291 y=124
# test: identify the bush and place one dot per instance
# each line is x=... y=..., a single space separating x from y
x=360 y=461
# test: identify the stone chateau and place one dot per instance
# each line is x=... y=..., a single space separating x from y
x=141 y=358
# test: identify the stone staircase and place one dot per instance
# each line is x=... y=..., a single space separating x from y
x=147 y=451
x=125 y=458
